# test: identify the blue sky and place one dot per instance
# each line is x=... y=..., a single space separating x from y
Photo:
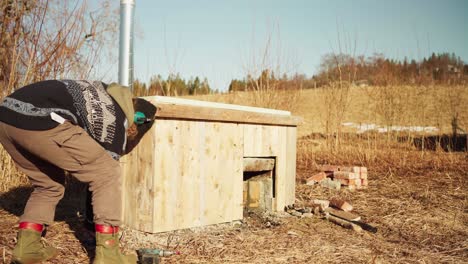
x=222 y=39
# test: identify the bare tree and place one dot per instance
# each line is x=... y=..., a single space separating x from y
x=52 y=39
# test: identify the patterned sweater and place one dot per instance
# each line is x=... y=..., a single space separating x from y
x=84 y=103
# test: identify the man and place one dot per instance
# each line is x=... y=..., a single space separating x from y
x=77 y=126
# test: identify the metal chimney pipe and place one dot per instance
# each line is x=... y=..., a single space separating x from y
x=127 y=11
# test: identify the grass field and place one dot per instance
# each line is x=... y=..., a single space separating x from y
x=416 y=198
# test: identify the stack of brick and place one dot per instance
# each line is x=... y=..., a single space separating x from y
x=349 y=177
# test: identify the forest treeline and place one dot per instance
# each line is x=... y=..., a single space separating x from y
x=173 y=85
x=442 y=68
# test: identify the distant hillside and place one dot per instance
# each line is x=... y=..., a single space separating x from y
x=436 y=106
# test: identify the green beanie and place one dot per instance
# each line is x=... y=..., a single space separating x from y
x=123 y=96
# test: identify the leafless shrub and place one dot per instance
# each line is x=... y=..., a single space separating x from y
x=267 y=70
x=49 y=39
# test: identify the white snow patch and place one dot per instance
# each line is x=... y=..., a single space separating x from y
x=363 y=127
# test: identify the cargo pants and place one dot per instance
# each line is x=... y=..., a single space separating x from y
x=44 y=155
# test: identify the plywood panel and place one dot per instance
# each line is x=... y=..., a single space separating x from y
x=193 y=176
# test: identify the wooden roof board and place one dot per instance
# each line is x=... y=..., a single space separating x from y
x=177 y=108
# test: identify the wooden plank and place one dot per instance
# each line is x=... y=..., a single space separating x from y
x=145 y=185
x=258 y=164
x=261 y=141
x=270 y=137
x=188 y=201
x=281 y=180
x=223 y=173
x=181 y=101
x=187 y=112
x=128 y=164
x=233 y=148
x=252 y=139
x=137 y=189
x=214 y=206
x=164 y=173
x=291 y=142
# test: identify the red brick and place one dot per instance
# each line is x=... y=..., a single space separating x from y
x=364 y=182
x=345 y=175
x=316 y=178
x=341 y=204
x=363 y=175
x=358 y=182
x=347 y=182
x=351 y=169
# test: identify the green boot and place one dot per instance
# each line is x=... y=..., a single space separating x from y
x=108 y=252
x=29 y=248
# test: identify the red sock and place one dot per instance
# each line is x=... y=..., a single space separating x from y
x=105 y=229
x=31 y=226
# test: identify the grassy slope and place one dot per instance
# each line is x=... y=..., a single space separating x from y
x=415 y=106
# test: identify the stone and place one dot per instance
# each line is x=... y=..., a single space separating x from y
x=296 y=213
x=307 y=215
x=331 y=184
x=322 y=203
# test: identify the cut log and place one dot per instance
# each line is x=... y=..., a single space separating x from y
x=343 y=223
x=342 y=214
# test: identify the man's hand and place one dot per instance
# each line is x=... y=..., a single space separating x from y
x=136 y=132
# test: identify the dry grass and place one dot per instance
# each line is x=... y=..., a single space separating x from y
x=393 y=105
x=416 y=199
x=10 y=177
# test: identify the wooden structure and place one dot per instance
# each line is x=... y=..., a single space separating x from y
x=188 y=170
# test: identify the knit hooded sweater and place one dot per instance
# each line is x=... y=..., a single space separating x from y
x=84 y=103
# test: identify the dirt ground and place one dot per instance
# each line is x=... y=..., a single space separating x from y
x=421 y=216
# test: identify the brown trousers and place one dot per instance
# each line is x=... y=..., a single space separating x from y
x=44 y=155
